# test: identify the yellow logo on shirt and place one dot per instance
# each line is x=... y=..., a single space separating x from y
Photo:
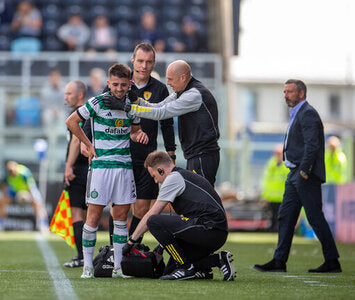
x=119 y=123
x=147 y=95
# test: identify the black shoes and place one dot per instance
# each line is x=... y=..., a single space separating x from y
x=272 y=266
x=187 y=272
x=181 y=274
x=76 y=262
x=204 y=274
x=329 y=266
x=226 y=265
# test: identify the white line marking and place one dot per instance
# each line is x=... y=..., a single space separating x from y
x=62 y=285
x=311 y=281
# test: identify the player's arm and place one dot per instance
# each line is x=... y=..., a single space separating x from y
x=88 y=132
x=73 y=124
x=156 y=209
x=172 y=187
x=73 y=153
x=138 y=135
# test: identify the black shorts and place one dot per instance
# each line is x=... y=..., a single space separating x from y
x=77 y=195
x=206 y=165
x=77 y=189
x=145 y=185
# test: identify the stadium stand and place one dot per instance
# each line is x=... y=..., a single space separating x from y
x=124 y=15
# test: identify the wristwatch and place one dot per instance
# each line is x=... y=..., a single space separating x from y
x=132 y=240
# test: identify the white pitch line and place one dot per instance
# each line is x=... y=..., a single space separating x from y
x=62 y=285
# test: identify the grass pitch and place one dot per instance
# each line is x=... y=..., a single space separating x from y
x=31 y=268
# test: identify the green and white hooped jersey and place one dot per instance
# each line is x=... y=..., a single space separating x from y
x=110 y=134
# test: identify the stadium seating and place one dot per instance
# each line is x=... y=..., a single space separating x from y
x=124 y=16
x=51 y=43
x=123 y=12
x=28 y=111
x=25 y=45
x=4 y=42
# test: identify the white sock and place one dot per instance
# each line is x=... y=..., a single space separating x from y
x=119 y=238
x=89 y=242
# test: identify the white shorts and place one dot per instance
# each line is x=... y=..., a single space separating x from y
x=105 y=185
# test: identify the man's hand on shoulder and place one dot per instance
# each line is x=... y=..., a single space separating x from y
x=112 y=102
x=116 y=104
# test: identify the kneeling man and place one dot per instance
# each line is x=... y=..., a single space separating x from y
x=196 y=232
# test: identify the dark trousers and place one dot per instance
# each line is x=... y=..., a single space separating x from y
x=274 y=208
x=205 y=165
x=185 y=241
x=307 y=193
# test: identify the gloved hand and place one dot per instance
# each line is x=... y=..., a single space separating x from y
x=113 y=103
x=127 y=107
x=126 y=249
x=132 y=95
x=159 y=250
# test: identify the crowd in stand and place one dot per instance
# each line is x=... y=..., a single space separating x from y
x=66 y=25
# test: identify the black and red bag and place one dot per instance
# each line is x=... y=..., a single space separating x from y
x=140 y=262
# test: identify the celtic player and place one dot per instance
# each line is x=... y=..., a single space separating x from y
x=110 y=177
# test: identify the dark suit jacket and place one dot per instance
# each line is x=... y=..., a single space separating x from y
x=305 y=142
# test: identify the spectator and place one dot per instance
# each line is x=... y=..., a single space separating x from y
x=75 y=33
x=54 y=110
x=103 y=36
x=273 y=184
x=6 y=12
x=97 y=82
x=335 y=162
x=149 y=33
x=27 y=21
x=191 y=40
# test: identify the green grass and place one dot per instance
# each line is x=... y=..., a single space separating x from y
x=24 y=274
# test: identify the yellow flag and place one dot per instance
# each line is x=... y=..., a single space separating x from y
x=61 y=223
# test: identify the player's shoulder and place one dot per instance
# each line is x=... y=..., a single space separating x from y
x=96 y=101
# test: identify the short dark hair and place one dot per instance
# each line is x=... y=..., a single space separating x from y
x=80 y=87
x=301 y=86
x=156 y=158
x=144 y=47
x=120 y=71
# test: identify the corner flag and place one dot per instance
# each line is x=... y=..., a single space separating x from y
x=61 y=223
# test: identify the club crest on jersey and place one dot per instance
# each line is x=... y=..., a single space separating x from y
x=147 y=95
x=119 y=123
